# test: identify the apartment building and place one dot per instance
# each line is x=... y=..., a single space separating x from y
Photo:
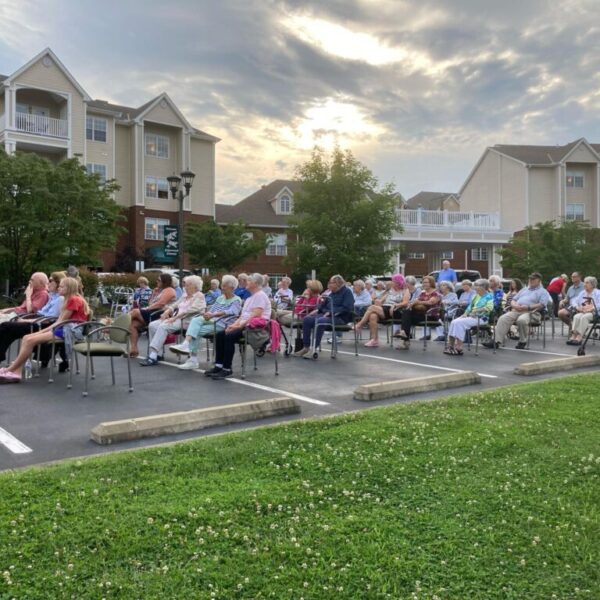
x=43 y=109
x=267 y=210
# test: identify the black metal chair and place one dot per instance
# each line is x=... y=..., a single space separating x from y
x=334 y=328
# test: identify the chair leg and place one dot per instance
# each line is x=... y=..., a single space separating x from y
x=92 y=366
x=87 y=374
x=70 y=374
x=112 y=370
x=244 y=359
x=129 y=373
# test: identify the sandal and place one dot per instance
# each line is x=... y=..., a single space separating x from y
x=449 y=350
x=134 y=354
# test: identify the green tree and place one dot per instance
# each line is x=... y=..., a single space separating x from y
x=53 y=215
x=222 y=248
x=553 y=248
x=341 y=221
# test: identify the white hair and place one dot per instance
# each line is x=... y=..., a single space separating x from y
x=360 y=283
x=447 y=284
x=257 y=278
x=194 y=280
x=591 y=280
x=229 y=280
x=217 y=282
x=338 y=279
x=495 y=278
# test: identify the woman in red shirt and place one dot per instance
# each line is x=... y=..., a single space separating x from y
x=557 y=288
x=74 y=307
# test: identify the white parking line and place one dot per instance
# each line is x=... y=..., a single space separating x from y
x=415 y=364
x=12 y=443
x=536 y=352
x=262 y=387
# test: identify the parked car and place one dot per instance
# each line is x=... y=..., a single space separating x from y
x=174 y=272
x=461 y=274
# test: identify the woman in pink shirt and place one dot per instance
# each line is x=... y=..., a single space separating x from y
x=257 y=305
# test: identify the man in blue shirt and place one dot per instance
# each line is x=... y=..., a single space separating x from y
x=447 y=274
x=565 y=313
x=241 y=290
x=339 y=302
x=528 y=301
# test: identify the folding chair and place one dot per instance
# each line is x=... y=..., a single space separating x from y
x=334 y=327
x=243 y=345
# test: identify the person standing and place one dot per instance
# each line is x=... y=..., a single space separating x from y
x=447 y=274
x=557 y=289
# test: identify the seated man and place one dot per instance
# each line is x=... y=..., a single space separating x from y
x=339 y=303
x=14 y=330
x=242 y=289
x=567 y=305
x=36 y=296
x=213 y=293
x=257 y=306
x=529 y=300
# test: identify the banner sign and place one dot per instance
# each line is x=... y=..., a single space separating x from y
x=171 y=247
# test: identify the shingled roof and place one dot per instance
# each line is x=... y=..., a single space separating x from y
x=257 y=209
x=540 y=155
x=428 y=200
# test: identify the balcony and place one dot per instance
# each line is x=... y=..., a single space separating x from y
x=431 y=220
x=40 y=125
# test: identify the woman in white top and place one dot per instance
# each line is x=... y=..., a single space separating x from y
x=388 y=306
x=191 y=303
x=587 y=306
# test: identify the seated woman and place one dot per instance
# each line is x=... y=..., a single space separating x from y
x=173 y=318
x=497 y=293
x=162 y=295
x=370 y=287
x=305 y=303
x=515 y=286
x=449 y=303
x=362 y=297
x=142 y=293
x=284 y=296
x=257 y=305
x=378 y=291
x=213 y=293
x=74 y=307
x=424 y=305
x=587 y=307
x=36 y=296
x=481 y=306
x=468 y=293
x=15 y=330
x=222 y=313
x=389 y=306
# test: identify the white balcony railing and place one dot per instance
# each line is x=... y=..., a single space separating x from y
x=448 y=219
x=41 y=125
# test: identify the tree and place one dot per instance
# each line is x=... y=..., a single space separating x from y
x=53 y=215
x=341 y=222
x=222 y=248
x=552 y=248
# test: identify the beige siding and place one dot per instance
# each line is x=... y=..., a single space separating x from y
x=165 y=115
x=43 y=99
x=582 y=154
x=587 y=194
x=51 y=77
x=2 y=103
x=102 y=152
x=451 y=204
x=543 y=198
x=203 y=165
x=124 y=158
x=482 y=191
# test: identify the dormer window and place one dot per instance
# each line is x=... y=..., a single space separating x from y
x=285 y=205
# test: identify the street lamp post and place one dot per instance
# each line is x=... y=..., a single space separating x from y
x=174 y=182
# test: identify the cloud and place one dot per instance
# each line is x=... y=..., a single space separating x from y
x=417 y=90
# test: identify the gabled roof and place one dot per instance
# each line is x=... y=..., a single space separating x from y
x=543 y=155
x=429 y=200
x=132 y=114
x=48 y=52
x=257 y=209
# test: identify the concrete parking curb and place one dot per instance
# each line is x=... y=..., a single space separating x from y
x=404 y=387
x=134 y=429
x=557 y=364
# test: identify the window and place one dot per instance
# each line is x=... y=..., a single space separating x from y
x=157 y=145
x=157 y=187
x=479 y=253
x=416 y=255
x=95 y=129
x=285 y=205
x=575 y=212
x=155 y=228
x=574 y=179
x=93 y=168
x=277 y=245
x=448 y=255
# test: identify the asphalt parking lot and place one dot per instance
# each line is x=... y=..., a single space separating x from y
x=42 y=422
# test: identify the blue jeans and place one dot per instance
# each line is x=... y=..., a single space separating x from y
x=308 y=324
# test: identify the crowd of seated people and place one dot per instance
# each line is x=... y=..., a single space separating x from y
x=448 y=308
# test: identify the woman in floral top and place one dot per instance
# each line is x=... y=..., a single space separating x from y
x=427 y=303
x=478 y=311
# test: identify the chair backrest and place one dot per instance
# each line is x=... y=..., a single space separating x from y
x=116 y=335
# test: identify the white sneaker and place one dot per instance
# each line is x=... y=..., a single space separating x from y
x=183 y=348
x=189 y=364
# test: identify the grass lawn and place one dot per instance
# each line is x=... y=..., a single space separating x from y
x=485 y=495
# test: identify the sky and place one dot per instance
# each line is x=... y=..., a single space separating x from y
x=416 y=89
